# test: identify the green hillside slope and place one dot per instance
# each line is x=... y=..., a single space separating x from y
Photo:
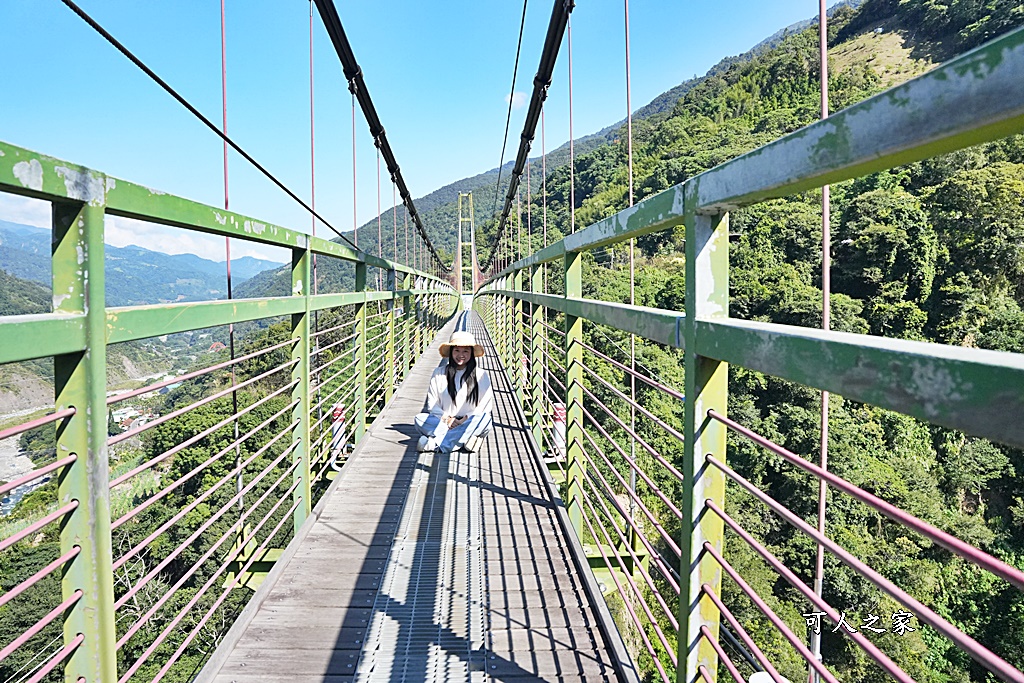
x=19 y=296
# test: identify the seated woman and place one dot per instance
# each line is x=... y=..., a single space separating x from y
x=459 y=399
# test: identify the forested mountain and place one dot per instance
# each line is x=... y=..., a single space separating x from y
x=18 y=297
x=439 y=209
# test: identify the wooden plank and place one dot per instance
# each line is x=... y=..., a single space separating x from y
x=331 y=580
x=533 y=603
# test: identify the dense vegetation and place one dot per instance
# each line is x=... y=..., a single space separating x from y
x=932 y=251
x=18 y=297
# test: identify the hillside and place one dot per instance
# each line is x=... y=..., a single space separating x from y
x=19 y=296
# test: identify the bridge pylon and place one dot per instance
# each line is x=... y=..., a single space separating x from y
x=466 y=218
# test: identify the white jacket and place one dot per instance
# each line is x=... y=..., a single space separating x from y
x=439 y=401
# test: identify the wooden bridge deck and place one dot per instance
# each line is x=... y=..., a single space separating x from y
x=428 y=567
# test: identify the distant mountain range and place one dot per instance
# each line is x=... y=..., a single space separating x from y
x=134 y=275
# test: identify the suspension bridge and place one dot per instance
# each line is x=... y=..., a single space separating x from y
x=292 y=531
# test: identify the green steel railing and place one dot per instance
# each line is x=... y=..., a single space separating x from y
x=975 y=98
x=402 y=321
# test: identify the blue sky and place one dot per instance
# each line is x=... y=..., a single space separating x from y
x=439 y=74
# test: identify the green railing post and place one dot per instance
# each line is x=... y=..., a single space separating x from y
x=421 y=320
x=509 y=308
x=499 y=329
x=537 y=359
x=432 y=308
x=574 y=393
x=389 y=357
x=414 y=323
x=707 y=297
x=420 y=317
x=506 y=310
x=406 y=328
x=517 y=336
x=301 y=260
x=80 y=382
x=360 y=324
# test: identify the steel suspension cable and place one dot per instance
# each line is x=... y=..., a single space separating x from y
x=508 y=118
x=519 y=211
x=195 y=112
x=357 y=86
x=632 y=247
x=312 y=185
x=227 y=240
x=541 y=82
x=826 y=307
x=544 y=182
x=572 y=158
x=355 y=217
x=380 y=234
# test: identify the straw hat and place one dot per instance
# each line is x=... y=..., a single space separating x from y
x=462 y=339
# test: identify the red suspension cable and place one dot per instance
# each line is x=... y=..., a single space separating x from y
x=572 y=162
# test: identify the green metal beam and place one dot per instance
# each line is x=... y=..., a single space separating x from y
x=80 y=381
x=142 y=322
x=142 y=203
x=963 y=388
x=23 y=171
x=302 y=260
x=664 y=327
x=24 y=337
x=536 y=390
x=37 y=175
x=706 y=388
x=389 y=353
x=967 y=389
x=360 y=345
x=971 y=99
x=574 y=395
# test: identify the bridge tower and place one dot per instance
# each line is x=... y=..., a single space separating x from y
x=466 y=217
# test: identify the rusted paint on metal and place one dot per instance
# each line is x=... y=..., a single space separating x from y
x=83 y=185
x=30 y=174
x=37 y=175
x=706 y=379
